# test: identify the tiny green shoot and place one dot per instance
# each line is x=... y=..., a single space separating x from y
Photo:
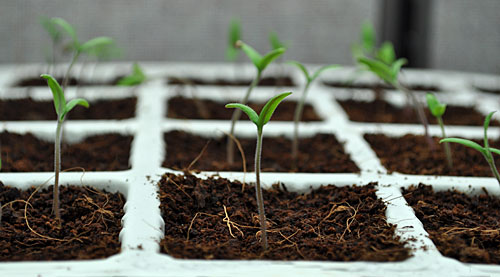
x=55 y=36
x=389 y=73
x=136 y=78
x=78 y=48
x=275 y=42
x=260 y=121
x=486 y=150
x=260 y=62
x=232 y=52
x=386 y=53
x=437 y=110
x=366 y=45
x=300 y=105
x=62 y=109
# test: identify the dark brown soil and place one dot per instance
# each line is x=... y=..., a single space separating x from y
x=39 y=82
x=410 y=154
x=383 y=112
x=321 y=153
x=489 y=90
x=462 y=227
x=330 y=223
x=91 y=223
x=266 y=81
x=187 y=108
x=26 y=153
x=338 y=84
x=28 y=109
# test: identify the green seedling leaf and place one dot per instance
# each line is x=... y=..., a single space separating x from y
x=386 y=53
x=51 y=28
x=73 y=103
x=270 y=107
x=379 y=68
x=301 y=67
x=368 y=37
x=486 y=125
x=437 y=109
x=396 y=67
x=269 y=57
x=137 y=77
x=97 y=42
x=234 y=36
x=322 y=69
x=252 y=54
x=275 y=41
x=64 y=25
x=465 y=142
x=261 y=62
x=57 y=93
x=246 y=109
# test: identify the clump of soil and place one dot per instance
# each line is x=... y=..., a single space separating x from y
x=321 y=153
x=411 y=154
x=187 y=108
x=384 y=112
x=217 y=219
x=378 y=86
x=266 y=81
x=29 y=109
x=39 y=82
x=462 y=227
x=91 y=223
x=26 y=153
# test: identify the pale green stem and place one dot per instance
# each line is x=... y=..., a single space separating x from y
x=296 y=120
x=419 y=110
x=66 y=76
x=258 y=189
x=489 y=156
x=447 y=149
x=57 y=169
x=236 y=117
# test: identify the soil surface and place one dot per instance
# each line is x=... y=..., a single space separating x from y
x=29 y=109
x=91 y=223
x=384 y=112
x=489 y=90
x=321 y=153
x=39 y=82
x=410 y=154
x=26 y=153
x=266 y=81
x=461 y=227
x=187 y=108
x=379 y=86
x=215 y=219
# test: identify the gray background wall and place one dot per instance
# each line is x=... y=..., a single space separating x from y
x=463 y=34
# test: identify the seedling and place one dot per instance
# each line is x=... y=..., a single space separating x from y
x=62 y=109
x=260 y=62
x=366 y=45
x=486 y=150
x=300 y=105
x=275 y=42
x=136 y=78
x=78 y=48
x=437 y=110
x=389 y=73
x=260 y=121
x=55 y=36
x=232 y=52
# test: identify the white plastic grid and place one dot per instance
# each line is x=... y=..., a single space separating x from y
x=142 y=223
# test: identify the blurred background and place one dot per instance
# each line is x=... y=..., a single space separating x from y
x=459 y=35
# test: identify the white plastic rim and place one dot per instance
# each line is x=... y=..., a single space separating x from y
x=142 y=224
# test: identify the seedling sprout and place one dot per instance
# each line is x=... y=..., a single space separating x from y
x=260 y=121
x=78 y=48
x=232 y=52
x=486 y=150
x=389 y=73
x=366 y=45
x=136 y=78
x=62 y=109
x=437 y=110
x=55 y=36
x=300 y=105
x=260 y=62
